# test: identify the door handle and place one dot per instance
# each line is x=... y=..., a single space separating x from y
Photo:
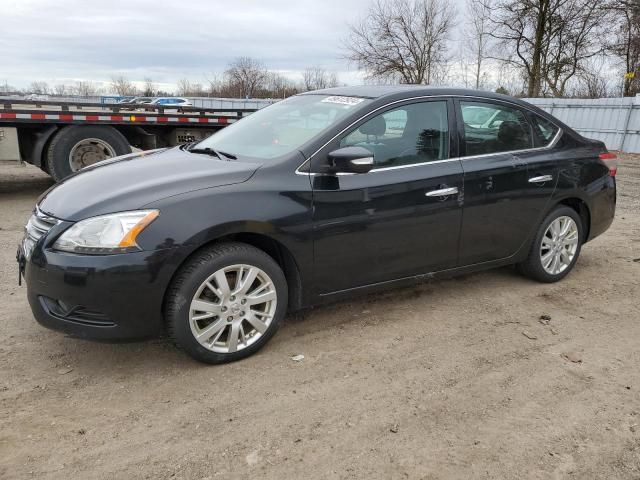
x=443 y=192
x=541 y=179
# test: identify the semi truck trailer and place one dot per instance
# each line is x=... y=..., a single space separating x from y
x=63 y=137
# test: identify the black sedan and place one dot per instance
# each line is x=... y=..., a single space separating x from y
x=315 y=198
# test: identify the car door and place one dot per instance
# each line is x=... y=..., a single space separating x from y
x=503 y=199
x=400 y=219
x=543 y=162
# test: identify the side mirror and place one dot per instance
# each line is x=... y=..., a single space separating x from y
x=351 y=160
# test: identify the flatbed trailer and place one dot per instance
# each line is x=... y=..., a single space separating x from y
x=62 y=137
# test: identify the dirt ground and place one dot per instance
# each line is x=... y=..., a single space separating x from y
x=455 y=379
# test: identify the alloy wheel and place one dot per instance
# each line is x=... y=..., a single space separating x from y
x=232 y=308
x=559 y=245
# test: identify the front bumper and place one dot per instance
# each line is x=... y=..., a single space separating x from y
x=100 y=297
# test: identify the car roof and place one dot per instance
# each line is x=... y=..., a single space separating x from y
x=383 y=94
x=398 y=92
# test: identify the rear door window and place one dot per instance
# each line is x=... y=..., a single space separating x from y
x=493 y=128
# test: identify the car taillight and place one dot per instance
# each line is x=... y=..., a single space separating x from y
x=611 y=161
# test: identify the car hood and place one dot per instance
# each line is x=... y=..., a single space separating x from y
x=132 y=181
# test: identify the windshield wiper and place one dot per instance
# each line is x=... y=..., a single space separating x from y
x=212 y=152
x=206 y=151
x=230 y=156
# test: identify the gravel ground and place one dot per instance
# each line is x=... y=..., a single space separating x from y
x=455 y=379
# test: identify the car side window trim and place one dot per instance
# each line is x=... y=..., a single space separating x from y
x=552 y=144
x=304 y=167
x=383 y=169
x=452 y=159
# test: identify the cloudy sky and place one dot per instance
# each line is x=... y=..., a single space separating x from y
x=67 y=40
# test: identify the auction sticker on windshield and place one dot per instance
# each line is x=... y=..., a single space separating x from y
x=343 y=100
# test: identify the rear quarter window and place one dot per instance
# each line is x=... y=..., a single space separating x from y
x=544 y=130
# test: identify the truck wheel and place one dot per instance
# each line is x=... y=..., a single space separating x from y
x=77 y=146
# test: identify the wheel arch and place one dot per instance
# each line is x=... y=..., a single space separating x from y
x=582 y=209
x=269 y=245
x=34 y=141
x=575 y=202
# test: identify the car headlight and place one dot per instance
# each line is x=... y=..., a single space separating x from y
x=114 y=233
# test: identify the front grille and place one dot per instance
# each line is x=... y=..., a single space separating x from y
x=38 y=225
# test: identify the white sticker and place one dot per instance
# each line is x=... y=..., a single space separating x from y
x=343 y=100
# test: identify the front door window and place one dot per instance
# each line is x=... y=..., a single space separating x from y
x=410 y=134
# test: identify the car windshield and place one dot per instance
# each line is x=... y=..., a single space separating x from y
x=282 y=127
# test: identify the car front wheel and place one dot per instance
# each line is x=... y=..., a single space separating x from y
x=226 y=303
x=556 y=247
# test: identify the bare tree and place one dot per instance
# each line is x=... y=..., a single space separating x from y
x=247 y=75
x=520 y=26
x=309 y=77
x=149 y=89
x=334 y=81
x=591 y=83
x=626 y=46
x=274 y=85
x=215 y=85
x=279 y=86
x=316 y=78
x=85 y=88
x=548 y=40
x=122 y=86
x=462 y=71
x=574 y=37
x=61 y=89
x=510 y=81
x=6 y=88
x=184 y=87
x=403 y=39
x=40 y=88
x=197 y=90
x=477 y=36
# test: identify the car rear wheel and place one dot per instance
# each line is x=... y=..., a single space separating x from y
x=556 y=247
x=226 y=303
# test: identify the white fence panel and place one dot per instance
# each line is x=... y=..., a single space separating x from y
x=615 y=121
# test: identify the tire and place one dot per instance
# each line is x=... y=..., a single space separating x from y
x=107 y=142
x=534 y=267
x=227 y=315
